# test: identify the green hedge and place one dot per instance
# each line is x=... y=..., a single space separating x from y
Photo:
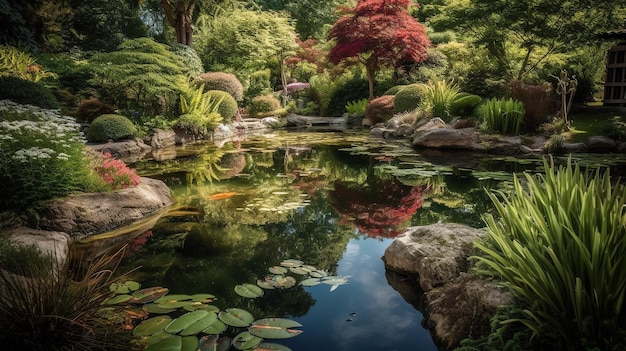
x=111 y=126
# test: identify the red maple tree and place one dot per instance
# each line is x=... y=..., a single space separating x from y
x=379 y=33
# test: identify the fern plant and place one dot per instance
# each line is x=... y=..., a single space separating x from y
x=437 y=97
x=559 y=246
x=356 y=107
x=199 y=111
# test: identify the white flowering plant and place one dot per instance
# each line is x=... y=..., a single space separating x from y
x=42 y=156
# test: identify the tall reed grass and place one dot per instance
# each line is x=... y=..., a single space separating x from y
x=502 y=115
x=560 y=246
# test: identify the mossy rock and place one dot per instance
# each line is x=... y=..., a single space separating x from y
x=111 y=127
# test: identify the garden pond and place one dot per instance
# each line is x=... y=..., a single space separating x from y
x=332 y=202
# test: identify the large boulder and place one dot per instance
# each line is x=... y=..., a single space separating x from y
x=436 y=253
x=447 y=138
x=600 y=144
x=127 y=150
x=463 y=309
x=51 y=243
x=87 y=214
x=162 y=138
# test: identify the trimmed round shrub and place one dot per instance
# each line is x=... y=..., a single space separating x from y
x=91 y=108
x=393 y=90
x=228 y=106
x=191 y=61
x=27 y=93
x=263 y=104
x=408 y=97
x=111 y=126
x=222 y=81
x=379 y=110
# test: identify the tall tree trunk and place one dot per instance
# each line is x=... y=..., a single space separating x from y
x=180 y=18
x=371 y=73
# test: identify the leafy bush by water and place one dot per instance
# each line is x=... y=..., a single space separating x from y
x=559 y=246
x=191 y=61
x=228 y=107
x=227 y=82
x=356 y=107
x=502 y=115
x=41 y=156
x=408 y=97
x=437 y=96
x=111 y=126
x=199 y=111
x=263 y=104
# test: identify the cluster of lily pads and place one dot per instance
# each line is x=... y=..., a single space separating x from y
x=202 y=324
x=200 y=328
x=279 y=278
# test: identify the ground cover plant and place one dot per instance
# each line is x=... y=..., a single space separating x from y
x=558 y=246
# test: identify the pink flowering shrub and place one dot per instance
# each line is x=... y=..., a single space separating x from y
x=115 y=173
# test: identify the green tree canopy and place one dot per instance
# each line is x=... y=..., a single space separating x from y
x=538 y=27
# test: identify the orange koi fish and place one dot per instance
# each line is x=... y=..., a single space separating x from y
x=222 y=196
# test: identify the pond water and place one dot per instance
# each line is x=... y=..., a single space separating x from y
x=332 y=200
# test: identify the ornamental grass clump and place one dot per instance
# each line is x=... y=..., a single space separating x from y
x=502 y=115
x=560 y=246
x=41 y=156
x=48 y=305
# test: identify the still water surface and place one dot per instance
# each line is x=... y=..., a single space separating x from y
x=332 y=200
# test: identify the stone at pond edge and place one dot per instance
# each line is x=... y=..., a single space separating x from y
x=87 y=214
x=55 y=244
x=436 y=253
x=463 y=309
x=127 y=150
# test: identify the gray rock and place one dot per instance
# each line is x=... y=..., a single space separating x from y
x=48 y=242
x=124 y=150
x=463 y=309
x=575 y=147
x=163 y=139
x=436 y=253
x=83 y=215
x=271 y=122
x=621 y=147
x=431 y=124
x=446 y=138
x=403 y=130
x=600 y=143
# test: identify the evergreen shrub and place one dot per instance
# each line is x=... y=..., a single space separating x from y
x=27 y=92
x=191 y=61
x=228 y=107
x=111 y=126
x=227 y=82
x=91 y=108
x=351 y=90
x=263 y=104
x=408 y=97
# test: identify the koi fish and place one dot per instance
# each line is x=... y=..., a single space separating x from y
x=222 y=196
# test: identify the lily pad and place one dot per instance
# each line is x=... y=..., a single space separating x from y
x=155 y=308
x=278 y=270
x=204 y=298
x=209 y=308
x=265 y=284
x=174 y=304
x=291 y=263
x=318 y=274
x=152 y=326
x=184 y=321
x=218 y=327
x=214 y=343
x=311 y=282
x=200 y=324
x=246 y=341
x=275 y=328
x=298 y=270
x=175 y=343
x=236 y=317
x=268 y=346
x=173 y=298
x=248 y=290
x=154 y=338
x=118 y=299
x=149 y=294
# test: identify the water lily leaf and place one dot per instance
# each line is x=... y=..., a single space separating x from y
x=200 y=324
x=335 y=280
x=236 y=317
x=278 y=270
x=173 y=343
x=308 y=268
x=291 y=263
x=118 y=299
x=268 y=346
x=289 y=282
x=214 y=343
x=204 y=298
x=185 y=321
x=298 y=270
x=173 y=298
x=246 y=341
x=311 y=282
x=174 y=304
x=248 y=290
x=318 y=274
x=192 y=306
x=154 y=308
x=132 y=285
x=209 y=308
x=119 y=288
x=149 y=294
x=218 y=327
x=275 y=328
x=265 y=284
x=189 y=343
x=153 y=339
x=152 y=326
x=332 y=288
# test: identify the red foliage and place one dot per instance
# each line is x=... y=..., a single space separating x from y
x=380 y=33
x=378 y=110
x=308 y=51
x=377 y=210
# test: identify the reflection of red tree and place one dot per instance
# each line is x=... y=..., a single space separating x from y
x=137 y=243
x=376 y=210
